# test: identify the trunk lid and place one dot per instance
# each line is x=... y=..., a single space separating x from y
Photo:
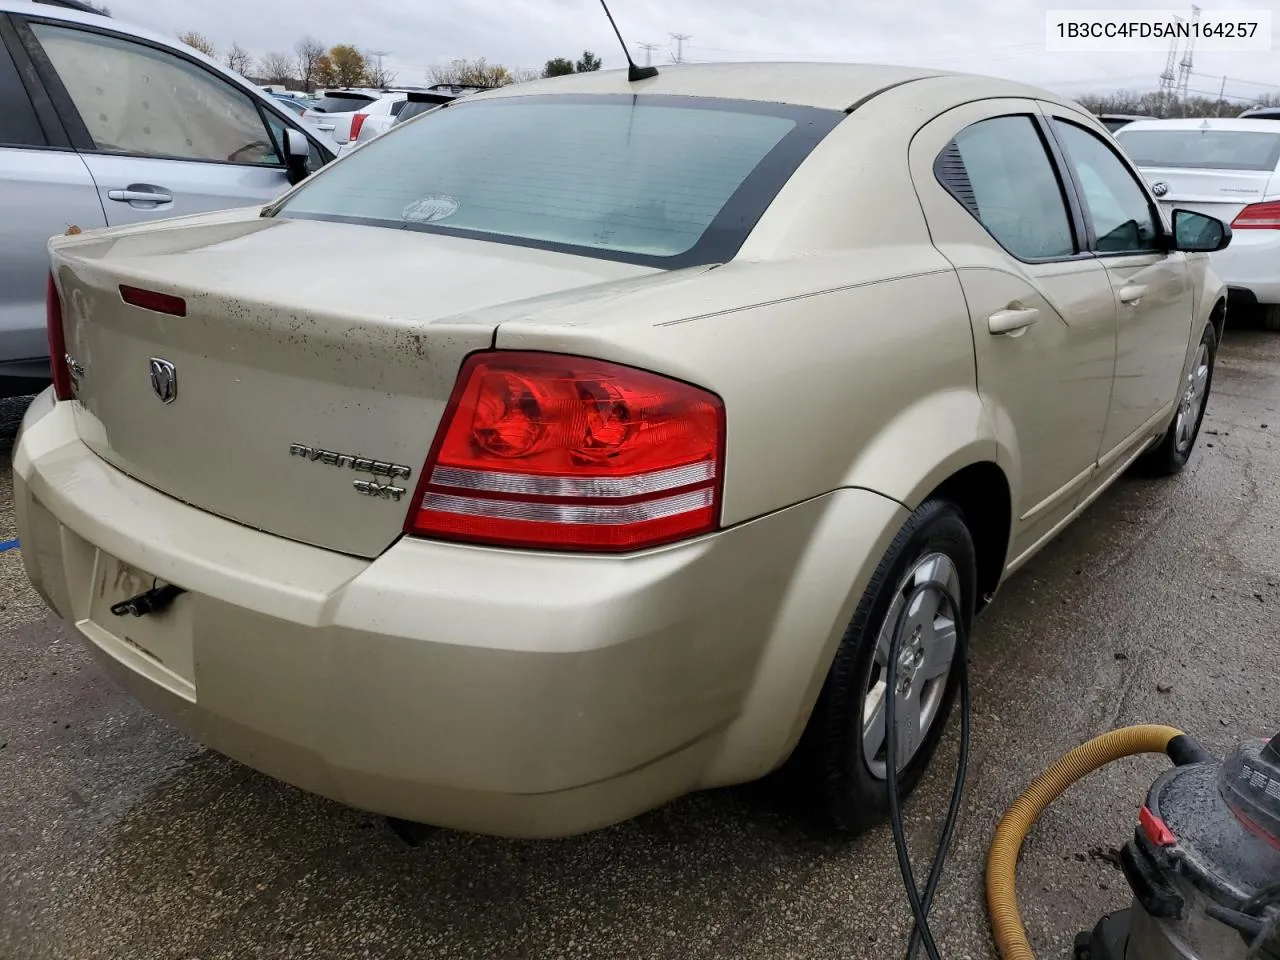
x=1218 y=193
x=313 y=358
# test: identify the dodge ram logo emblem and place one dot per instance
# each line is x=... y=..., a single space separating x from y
x=1159 y=188
x=164 y=379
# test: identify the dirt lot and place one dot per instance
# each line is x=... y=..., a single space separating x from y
x=121 y=839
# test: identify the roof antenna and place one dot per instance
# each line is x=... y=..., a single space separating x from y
x=634 y=72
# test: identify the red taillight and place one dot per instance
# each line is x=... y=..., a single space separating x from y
x=1258 y=216
x=150 y=300
x=548 y=451
x=59 y=364
x=356 y=123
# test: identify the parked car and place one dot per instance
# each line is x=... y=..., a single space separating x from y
x=81 y=146
x=295 y=104
x=331 y=107
x=1114 y=121
x=606 y=482
x=1229 y=169
x=367 y=126
x=347 y=127
x=1261 y=113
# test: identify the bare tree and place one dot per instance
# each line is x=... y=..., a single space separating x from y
x=199 y=42
x=524 y=74
x=376 y=75
x=277 y=68
x=308 y=52
x=472 y=73
x=238 y=60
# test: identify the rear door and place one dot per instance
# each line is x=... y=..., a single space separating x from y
x=161 y=134
x=1152 y=286
x=45 y=189
x=1041 y=305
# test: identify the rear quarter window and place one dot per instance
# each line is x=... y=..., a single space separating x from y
x=332 y=104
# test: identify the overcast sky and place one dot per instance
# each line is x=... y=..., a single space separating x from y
x=525 y=33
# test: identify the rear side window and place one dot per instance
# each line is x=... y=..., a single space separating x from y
x=999 y=169
x=331 y=103
x=1202 y=149
x=671 y=181
x=397 y=107
x=136 y=99
x=18 y=124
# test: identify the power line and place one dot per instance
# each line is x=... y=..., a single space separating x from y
x=648 y=49
x=1252 y=83
x=680 y=39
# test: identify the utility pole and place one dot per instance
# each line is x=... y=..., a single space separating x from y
x=648 y=49
x=1168 y=78
x=1184 y=71
x=680 y=38
x=379 y=54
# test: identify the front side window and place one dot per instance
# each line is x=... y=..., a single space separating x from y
x=1000 y=171
x=665 y=180
x=136 y=99
x=1123 y=218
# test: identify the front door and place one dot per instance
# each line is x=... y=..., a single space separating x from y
x=1152 y=287
x=1041 y=306
x=162 y=135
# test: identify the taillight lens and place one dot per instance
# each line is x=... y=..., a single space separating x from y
x=356 y=123
x=1258 y=216
x=556 y=452
x=59 y=366
x=151 y=300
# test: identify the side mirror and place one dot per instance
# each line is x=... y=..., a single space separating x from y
x=1199 y=233
x=297 y=155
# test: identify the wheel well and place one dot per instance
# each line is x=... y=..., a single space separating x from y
x=981 y=492
x=1218 y=317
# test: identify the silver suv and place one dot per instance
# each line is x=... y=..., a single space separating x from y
x=103 y=124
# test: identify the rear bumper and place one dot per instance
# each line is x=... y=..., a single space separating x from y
x=498 y=691
x=1252 y=264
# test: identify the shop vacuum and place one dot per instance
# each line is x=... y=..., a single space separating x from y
x=1203 y=864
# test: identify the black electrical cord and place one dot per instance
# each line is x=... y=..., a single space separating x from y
x=920 y=906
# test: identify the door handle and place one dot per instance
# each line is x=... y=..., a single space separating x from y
x=1132 y=294
x=135 y=195
x=1012 y=321
x=324 y=126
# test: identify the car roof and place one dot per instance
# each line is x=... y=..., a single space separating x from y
x=1237 y=124
x=832 y=86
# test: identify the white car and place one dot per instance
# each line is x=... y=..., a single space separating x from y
x=377 y=119
x=333 y=107
x=1229 y=169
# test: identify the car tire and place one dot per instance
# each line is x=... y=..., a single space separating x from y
x=1174 y=449
x=840 y=774
x=1269 y=316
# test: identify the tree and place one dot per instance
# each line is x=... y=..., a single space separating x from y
x=238 y=60
x=199 y=42
x=376 y=75
x=559 y=67
x=307 y=53
x=277 y=68
x=587 y=63
x=342 y=66
x=472 y=73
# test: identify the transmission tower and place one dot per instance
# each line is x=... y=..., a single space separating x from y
x=1184 y=68
x=648 y=49
x=680 y=38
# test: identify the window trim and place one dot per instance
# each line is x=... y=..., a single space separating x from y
x=720 y=240
x=1161 y=244
x=47 y=120
x=78 y=133
x=1066 y=188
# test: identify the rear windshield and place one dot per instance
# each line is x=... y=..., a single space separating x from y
x=413 y=108
x=1202 y=149
x=332 y=104
x=671 y=181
